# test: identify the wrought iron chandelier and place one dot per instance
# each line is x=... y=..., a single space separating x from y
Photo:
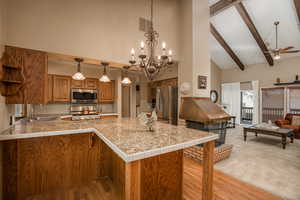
x=151 y=64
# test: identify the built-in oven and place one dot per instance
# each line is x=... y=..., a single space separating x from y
x=83 y=96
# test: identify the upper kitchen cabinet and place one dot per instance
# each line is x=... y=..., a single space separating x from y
x=50 y=88
x=88 y=83
x=77 y=84
x=91 y=83
x=107 y=92
x=61 y=88
x=24 y=76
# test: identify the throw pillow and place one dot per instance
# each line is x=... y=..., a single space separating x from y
x=296 y=121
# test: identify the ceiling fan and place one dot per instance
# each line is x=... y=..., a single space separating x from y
x=278 y=51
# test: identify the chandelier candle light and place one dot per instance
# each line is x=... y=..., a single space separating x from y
x=78 y=75
x=104 y=78
x=152 y=64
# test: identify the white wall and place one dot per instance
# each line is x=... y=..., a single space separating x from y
x=99 y=29
x=285 y=69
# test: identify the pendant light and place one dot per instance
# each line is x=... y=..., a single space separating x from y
x=126 y=80
x=104 y=78
x=78 y=75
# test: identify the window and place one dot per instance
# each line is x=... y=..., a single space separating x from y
x=19 y=110
x=273 y=104
x=294 y=100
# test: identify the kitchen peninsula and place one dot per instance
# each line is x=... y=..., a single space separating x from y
x=46 y=156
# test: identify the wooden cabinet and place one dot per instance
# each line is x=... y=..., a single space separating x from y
x=106 y=92
x=77 y=84
x=50 y=88
x=61 y=88
x=91 y=83
x=37 y=165
x=29 y=69
x=88 y=83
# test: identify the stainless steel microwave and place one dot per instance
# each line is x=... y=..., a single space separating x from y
x=83 y=96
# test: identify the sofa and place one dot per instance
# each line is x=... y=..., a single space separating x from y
x=287 y=123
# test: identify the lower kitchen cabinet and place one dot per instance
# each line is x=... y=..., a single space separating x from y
x=39 y=165
x=61 y=88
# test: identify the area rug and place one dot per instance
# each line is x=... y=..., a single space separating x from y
x=262 y=162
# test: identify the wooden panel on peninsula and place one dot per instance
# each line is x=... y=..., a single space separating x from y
x=38 y=165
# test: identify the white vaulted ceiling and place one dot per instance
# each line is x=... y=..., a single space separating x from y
x=263 y=14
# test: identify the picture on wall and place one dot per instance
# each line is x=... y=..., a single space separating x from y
x=202 y=82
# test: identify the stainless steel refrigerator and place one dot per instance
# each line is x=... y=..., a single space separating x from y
x=167 y=104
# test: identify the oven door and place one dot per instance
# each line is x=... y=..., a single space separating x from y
x=84 y=96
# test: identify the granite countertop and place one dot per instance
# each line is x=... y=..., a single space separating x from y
x=126 y=137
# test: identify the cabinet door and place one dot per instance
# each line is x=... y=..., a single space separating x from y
x=36 y=77
x=91 y=83
x=61 y=88
x=50 y=88
x=107 y=92
x=78 y=84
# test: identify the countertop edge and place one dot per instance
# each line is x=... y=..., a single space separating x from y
x=125 y=157
x=163 y=150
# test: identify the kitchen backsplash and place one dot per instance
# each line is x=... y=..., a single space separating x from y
x=64 y=108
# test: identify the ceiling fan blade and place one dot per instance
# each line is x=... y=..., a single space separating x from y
x=295 y=51
x=287 y=48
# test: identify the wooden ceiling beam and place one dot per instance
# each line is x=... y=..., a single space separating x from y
x=297 y=6
x=227 y=48
x=248 y=21
x=221 y=6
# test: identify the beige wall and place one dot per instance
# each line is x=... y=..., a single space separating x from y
x=99 y=29
x=216 y=75
x=4 y=109
x=285 y=69
x=194 y=44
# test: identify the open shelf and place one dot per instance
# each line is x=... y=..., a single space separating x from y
x=12 y=82
x=290 y=83
x=11 y=67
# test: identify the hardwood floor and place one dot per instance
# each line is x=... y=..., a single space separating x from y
x=225 y=188
x=101 y=189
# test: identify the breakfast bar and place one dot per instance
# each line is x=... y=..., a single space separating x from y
x=138 y=163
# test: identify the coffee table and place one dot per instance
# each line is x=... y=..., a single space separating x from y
x=281 y=132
